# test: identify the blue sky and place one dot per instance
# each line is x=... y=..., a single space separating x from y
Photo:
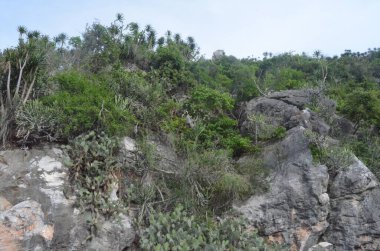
x=241 y=27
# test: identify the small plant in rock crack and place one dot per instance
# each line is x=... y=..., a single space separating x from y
x=95 y=173
x=335 y=157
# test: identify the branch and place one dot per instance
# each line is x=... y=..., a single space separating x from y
x=22 y=66
x=2 y=111
x=9 y=83
x=258 y=88
x=30 y=87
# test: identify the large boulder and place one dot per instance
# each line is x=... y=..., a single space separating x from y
x=295 y=209
x=288 y=109
x=306 y=202
x=355 y=209
x=36 y=212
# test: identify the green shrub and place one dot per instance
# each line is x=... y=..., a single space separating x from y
x=207 y=103
x=253 y=169
x=179 y=231
x=219 y=133
x=208 y=181
x=87 y=104
x=232 y=185
x=335 y=157
x=263 y=129
x=37 y=122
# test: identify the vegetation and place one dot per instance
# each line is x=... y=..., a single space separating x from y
x=125 y=80
x=178 y=231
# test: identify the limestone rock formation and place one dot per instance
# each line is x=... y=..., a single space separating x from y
x=355 y=209
x=306 y=204
x=37 y=214
x=296 y=207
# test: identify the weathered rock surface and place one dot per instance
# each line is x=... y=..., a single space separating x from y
x=288 y=109
x=322 y=246
x=355 y=209
x=296 y=207
x=305 y=205
x=37 y=214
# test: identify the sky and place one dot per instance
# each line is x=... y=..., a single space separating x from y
x=243 y=28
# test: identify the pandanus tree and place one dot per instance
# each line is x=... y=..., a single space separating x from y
x=20 y=67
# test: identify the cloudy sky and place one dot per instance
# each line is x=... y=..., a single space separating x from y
x=240 y=27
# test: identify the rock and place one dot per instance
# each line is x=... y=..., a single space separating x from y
x=129 y=144
x=298 y=98
x=113 y=235
x=287 y=109
x=342 y=126
x=25 y=226
x=218 y=54
x=44 y=216
x=355 y=209
x=165 y=157
x=303 y=98
x=304 y=203
x=322 y=246
x=4 y=204
x=291 y=211
x=324 y=198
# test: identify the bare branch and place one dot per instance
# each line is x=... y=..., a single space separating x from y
x=22 y=66
x=30 y=87
x=9 y=83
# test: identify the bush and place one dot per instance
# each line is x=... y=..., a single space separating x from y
x=179 y=231
x=335 y=157
x=88 y=105
x=208 y=181
x=37 y=122
x=262 y=128
x=207 y=103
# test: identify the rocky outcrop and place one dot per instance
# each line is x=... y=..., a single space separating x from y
x=289 y=109
x=296 y=207
x=355 y=209
x=36 y=213
x=305 y=205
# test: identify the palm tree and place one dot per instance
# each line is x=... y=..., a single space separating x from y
x=119 y=17
x=22 y=30
x=161 y=41
x=134 y=28
x=36 y=34
x=177 y=38
x=317 y=53
x=191 y=43
x=168 y=36
x=151 y=38
x=60 y=39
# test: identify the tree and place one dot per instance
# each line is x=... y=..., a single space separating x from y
x=363 y=107
x=21 y=67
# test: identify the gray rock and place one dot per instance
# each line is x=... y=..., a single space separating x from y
x=165 y=157
x=298 y=98
x=303 y=98
x=342 y=126
x=44 y=217
x=322 y=246
x=23 y=226
x=291 y=211
x=113 y=235
x=355 y=209
x=218 y=54
x=287 y=109
x=304 y=204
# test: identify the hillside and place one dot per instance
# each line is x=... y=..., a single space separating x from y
x=123 y=140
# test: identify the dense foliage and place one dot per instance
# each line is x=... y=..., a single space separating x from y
x=124 y=80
